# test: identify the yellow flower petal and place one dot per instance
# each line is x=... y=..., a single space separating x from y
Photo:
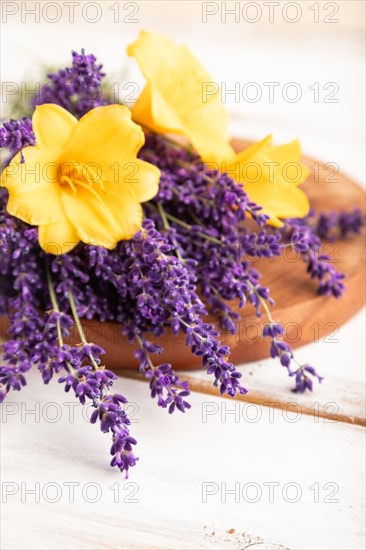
x=106 y=134
x=180 y=96
x=52 y=125
x=288 y=152
x=145 y=182
x=284 y=202
x=34 y=194
x=288 y=155
x=206 y=131
x=273 y=220
x=58 y=238
x=248 y=154
x=151 y=111
x=271 y=176
x=103 y=220
x=291 y=202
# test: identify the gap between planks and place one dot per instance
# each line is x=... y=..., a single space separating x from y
x=258 y=398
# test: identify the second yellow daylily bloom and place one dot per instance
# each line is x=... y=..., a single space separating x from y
x=174 y=101
x=82 y=180
x=180 y=96
x=271 y=176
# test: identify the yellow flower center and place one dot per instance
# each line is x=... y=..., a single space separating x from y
x=89 y=176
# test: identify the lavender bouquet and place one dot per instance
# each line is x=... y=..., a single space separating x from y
x=140 y=217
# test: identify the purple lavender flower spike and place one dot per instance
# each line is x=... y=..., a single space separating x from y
x=333 y=225
x=21 y=284
x=351 y=222
x=17 y=134
x=279 y=348
x=274 y=331
x=164 y=383
x=77 y=88
x=90 y=383
x=302 y=380
x=114 y=420
x=305 y=241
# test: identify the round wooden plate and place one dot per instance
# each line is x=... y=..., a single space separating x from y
x=306 y=316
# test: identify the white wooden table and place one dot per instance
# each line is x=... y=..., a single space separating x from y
x=244 y=474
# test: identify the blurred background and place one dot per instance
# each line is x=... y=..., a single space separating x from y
x=294 y=69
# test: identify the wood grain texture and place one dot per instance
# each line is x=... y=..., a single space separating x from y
x=338 y=400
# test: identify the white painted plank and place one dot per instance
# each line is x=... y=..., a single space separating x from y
x=179 y=454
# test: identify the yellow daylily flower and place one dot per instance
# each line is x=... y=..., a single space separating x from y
x=180 y=96
x=82 y=180
x=271 y=176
